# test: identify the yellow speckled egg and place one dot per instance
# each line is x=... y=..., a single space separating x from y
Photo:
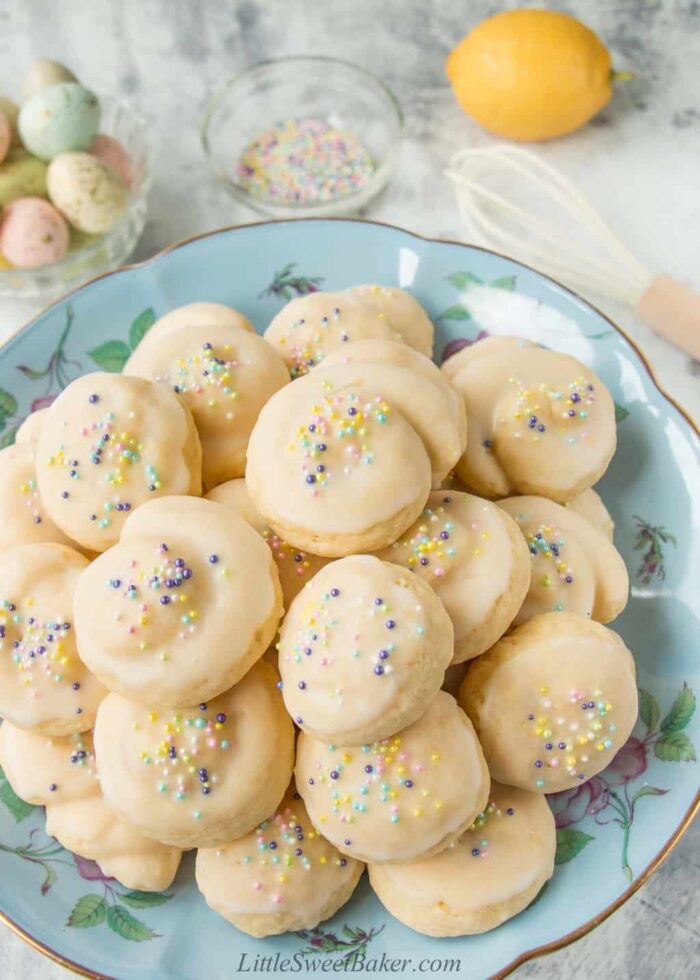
x=21 y=175
x=32 y=233
x=11 y=110
x=89 y=194
x=5 y=135
x=42 y=74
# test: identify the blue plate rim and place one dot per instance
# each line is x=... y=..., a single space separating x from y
x=693 y=809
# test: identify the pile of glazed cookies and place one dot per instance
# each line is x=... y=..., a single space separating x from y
x=264 y=674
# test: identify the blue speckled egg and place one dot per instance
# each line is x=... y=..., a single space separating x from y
x=59 y=119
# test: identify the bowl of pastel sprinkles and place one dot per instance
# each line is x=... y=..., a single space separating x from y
x=303 y=136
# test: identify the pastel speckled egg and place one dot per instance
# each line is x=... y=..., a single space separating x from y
x=5 y=135
x=111 y=152
x=59 y=119
x=32 y=233
x=87 y=192
x=11 y=110
x=21 y=175
x=42 y=74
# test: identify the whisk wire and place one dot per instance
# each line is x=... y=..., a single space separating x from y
x=605 y=266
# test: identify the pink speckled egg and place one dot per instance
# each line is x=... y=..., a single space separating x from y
x=32 y=233
x=112 y=153
x=5 y=135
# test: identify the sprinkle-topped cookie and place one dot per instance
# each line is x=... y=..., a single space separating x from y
x=540 y=422
x=362 y=650
x=184 y=747
x=309 y=327
x=570 y=743
x=355 y=471
x=225 y=374
x=182 y=606
x=199 y=776
x=405 y=796
x=552 y=702
x=25 y=520
x=575 y=565
x=295 y=566
x=44 y=684
x=60 y=774
x=282 y=876
x=492 y=872
x=108 y=444
x=384 y=386
x=474 y=560
x=28 y=432
x=346 y=417
x=48 y=769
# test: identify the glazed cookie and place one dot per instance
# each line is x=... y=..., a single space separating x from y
x=108 y=444
x=454 y=675
x=362 y=651
x=44 y=684
x=589 y=505
x=281 y=877
x=225 y=373
x=575 y=566
x=24 y=517
x=311 y=326
x=295 y=567
x=405 y=797
x=182 y=607
x=197 y=316
x=540 y=422
x=491 y=873
x=552 y=702
x=31 y=427
x=476 y=562
x=200 y=776
x=403 y=356
x=355 y=472
x=430 y=408
x=60 y=774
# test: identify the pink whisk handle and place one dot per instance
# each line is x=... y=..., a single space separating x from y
x=673 y=310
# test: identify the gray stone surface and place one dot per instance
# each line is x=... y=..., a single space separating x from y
x=638 y=162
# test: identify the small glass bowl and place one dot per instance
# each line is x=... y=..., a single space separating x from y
x=272 y=92
x=95 y=254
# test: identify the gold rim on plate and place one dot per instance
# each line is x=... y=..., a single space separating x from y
x=657 y=861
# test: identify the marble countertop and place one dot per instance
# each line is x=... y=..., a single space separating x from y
x=637 y=162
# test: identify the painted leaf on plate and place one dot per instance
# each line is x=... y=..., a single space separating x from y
x=674 y=747
x=140 y=327
x=648 y=710
x=17 y=807
x=455 y=313
x=121 y=921
x=145 y=900
x=569 y=844
x=680 y=712
x=88 y=911
x=111 y=356
x=504 y=282
x=462 y=280
x=8 y=403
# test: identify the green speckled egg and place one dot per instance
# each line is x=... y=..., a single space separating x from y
x=59 y=119
x=22 y=175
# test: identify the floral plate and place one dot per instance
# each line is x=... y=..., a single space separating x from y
x=613 y=831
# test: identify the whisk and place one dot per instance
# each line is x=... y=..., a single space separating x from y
x=558 y=232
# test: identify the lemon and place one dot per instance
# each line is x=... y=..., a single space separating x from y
x=531 y=74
